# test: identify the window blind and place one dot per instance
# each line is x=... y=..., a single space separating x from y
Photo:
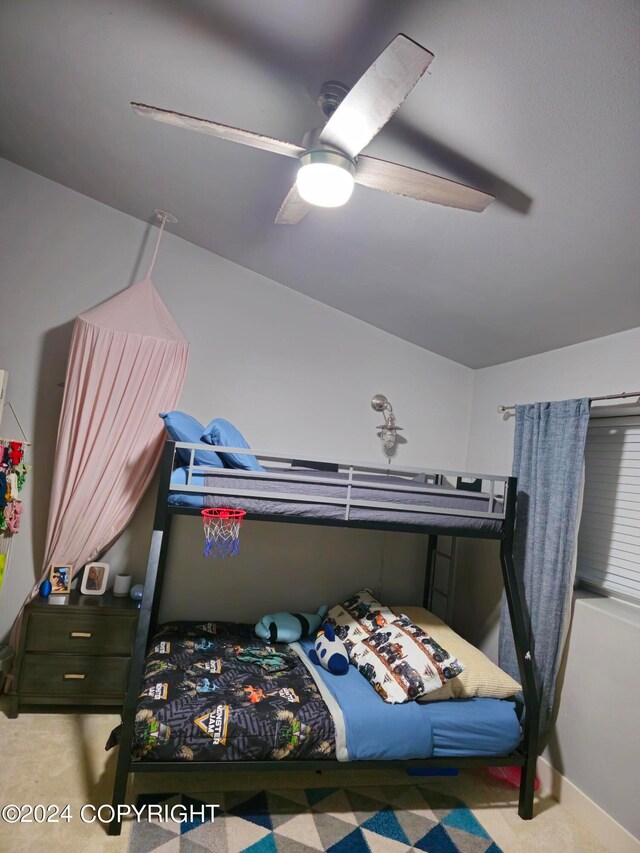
x=609 y=537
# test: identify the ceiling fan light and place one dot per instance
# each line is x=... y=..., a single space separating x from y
x=325 y=178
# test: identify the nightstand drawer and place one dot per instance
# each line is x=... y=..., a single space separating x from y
x=73 y=675
x=78 y=633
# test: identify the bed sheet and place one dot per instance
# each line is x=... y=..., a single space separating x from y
x=473 y=726
x=369 y=728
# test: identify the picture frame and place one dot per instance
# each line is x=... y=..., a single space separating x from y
x=60 y=577
x=95 y=579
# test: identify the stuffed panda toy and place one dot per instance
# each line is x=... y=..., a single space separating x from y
x=329 y=651
x=289 y=627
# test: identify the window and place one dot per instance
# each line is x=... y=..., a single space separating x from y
x=609 y=538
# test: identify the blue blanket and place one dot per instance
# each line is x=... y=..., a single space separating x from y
x=369 y=728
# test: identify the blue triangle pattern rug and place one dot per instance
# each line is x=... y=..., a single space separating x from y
x=379 y=819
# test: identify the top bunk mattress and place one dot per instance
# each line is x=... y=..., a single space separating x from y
x=275 y=505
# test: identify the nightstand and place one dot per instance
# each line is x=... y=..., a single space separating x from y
x=74 y=650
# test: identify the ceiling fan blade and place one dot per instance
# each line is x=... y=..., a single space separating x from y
x=293 y=208
x=376 y=96
x=403 y=180
x=222 y=131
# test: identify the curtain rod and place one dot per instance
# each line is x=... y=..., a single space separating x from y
x=623 y=394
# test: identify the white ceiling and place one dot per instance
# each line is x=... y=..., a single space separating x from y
x=537 y=102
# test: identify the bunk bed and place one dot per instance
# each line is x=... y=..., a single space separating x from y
x=343 y=494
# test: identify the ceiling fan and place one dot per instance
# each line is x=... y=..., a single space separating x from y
x=330 y=159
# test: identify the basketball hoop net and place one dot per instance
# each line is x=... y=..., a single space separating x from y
x=222 y=531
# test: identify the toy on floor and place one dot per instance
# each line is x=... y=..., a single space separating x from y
x=329 y=651
x=289 y=627
x=512 y=775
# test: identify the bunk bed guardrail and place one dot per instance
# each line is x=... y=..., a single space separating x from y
x=426 y=481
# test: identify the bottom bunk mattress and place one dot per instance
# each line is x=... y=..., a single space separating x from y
x=212 y=691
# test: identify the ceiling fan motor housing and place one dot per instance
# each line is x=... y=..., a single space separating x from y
x=329 y=156
x=311 y=142
x=332 y=93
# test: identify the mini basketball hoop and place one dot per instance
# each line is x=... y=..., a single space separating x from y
x=222 y=531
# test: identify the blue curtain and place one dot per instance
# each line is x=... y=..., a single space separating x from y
x=548 y=461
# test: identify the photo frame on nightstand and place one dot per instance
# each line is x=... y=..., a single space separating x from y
x=94 y=579
x=60 y=577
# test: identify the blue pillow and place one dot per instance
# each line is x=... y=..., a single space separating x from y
x=182 y=427
x=222 y=432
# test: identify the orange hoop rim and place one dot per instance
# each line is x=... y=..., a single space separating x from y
x=224 y=513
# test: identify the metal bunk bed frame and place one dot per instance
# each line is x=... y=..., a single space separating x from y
x=500 y=507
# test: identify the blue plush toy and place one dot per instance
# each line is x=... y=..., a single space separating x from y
x=289 y=627
x=329 y=651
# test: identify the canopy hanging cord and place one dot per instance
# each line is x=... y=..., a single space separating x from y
x=164 y=217
x=155 y=251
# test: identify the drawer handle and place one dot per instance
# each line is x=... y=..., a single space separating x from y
x=75 y=675
x=85 y=634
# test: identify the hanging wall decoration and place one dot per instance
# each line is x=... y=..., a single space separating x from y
x=13 y=473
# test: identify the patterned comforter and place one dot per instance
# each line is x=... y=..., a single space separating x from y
x=212 y=691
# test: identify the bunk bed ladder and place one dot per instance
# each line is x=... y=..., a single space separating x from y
x=147 y=624
x=440 y=575
x=440 y=579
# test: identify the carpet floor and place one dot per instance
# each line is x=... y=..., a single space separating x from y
x=384 y=819
x=60 y=758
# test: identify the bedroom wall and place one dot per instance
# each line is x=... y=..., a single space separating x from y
x=295 y=375
x=595 y=743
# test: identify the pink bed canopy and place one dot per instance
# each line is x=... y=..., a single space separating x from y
x=127 y=363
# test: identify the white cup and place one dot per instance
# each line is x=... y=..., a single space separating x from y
x=121 y=585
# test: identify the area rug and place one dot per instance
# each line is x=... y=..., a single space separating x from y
x=339 y=820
